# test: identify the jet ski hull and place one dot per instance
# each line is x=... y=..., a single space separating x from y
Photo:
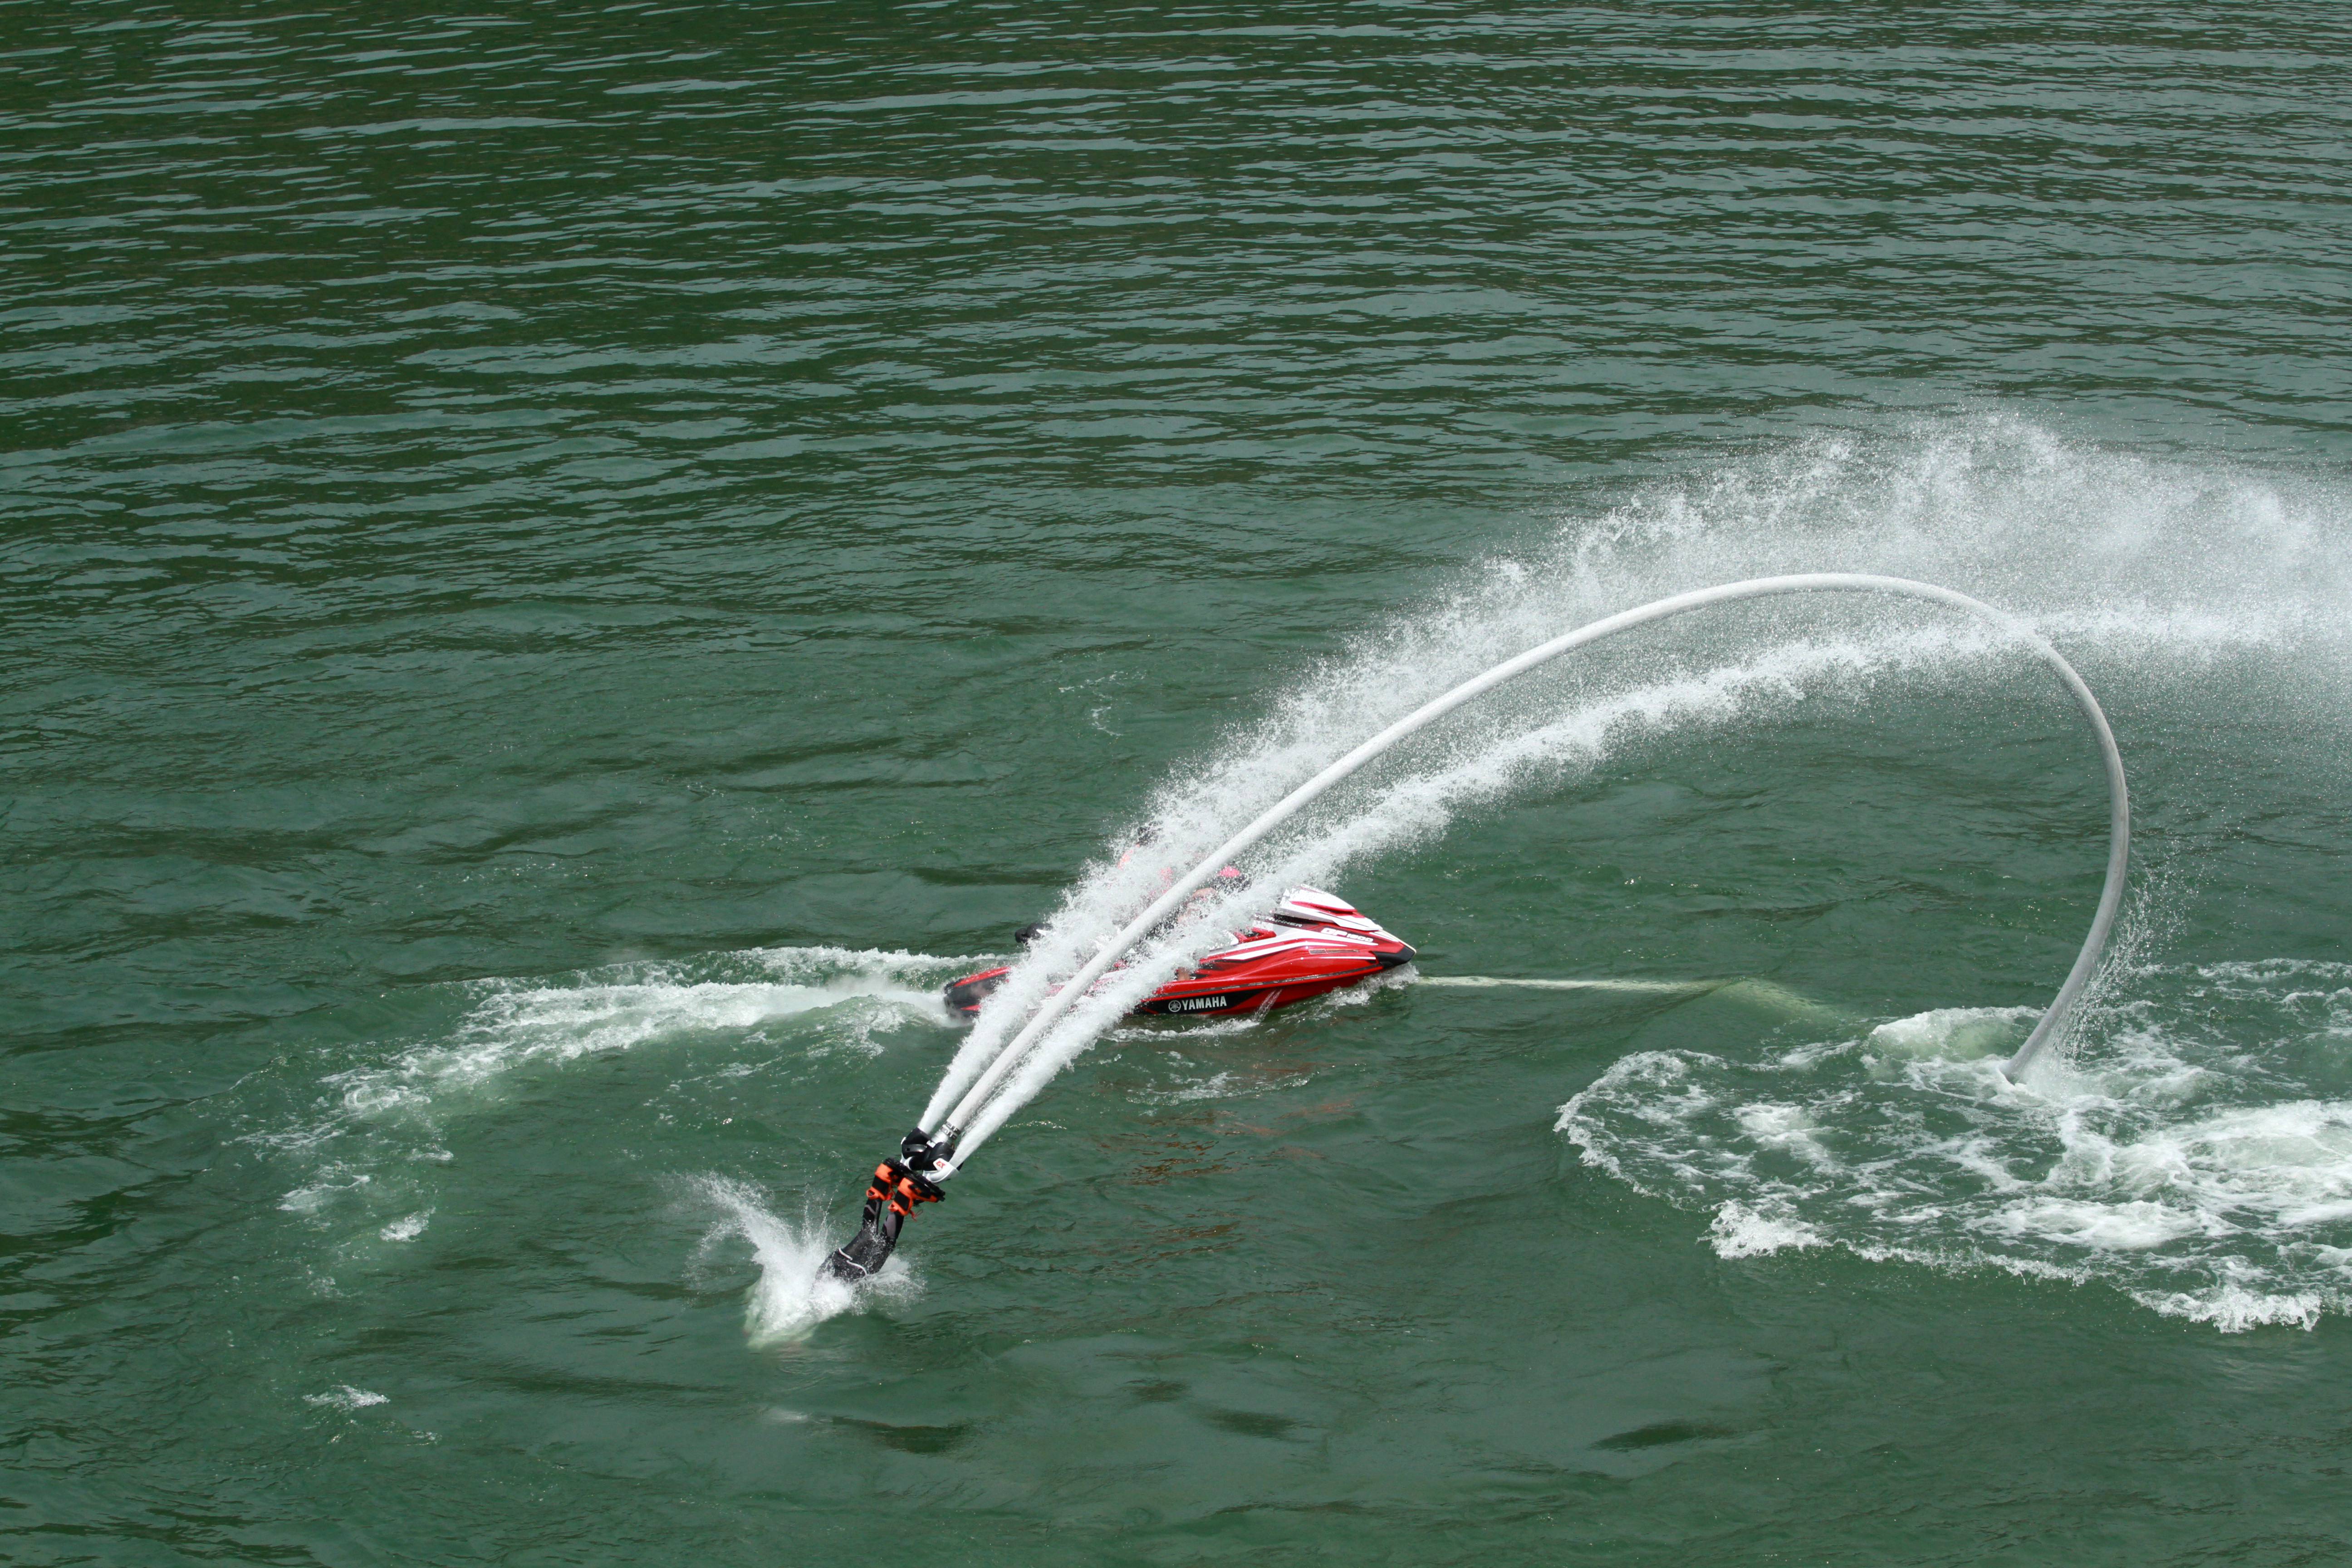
x=1312 y=943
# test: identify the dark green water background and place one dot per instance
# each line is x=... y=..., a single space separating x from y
x=536 y=541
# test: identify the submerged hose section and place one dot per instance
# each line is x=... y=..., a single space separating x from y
x=974 y=1119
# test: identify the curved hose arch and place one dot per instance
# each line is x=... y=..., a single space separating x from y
x=971 y=1112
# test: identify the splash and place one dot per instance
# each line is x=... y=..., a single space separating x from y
x=794 y=1292
x=2160 y=1163
x=2188 y=595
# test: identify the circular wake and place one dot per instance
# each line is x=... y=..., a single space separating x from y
x=2167 y=1164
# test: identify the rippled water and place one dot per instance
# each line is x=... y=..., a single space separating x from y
x=559 y=570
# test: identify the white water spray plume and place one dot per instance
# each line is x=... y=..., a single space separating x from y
x=795 y=1291
x=2149 y=576
x=1488 y=767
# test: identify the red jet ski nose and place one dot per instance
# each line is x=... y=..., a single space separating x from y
x=1312 y=943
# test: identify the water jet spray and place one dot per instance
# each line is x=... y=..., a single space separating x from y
x=944 y=1139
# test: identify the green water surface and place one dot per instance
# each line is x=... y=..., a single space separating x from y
x=562 y=566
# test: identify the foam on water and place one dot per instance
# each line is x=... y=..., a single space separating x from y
x=516 y=1023
x=347 y=1399
x=380 y=1121
x=2160 y=1163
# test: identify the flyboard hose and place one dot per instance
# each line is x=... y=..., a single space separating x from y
x=945 y=1137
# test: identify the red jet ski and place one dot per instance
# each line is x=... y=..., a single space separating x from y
x=1310 y=943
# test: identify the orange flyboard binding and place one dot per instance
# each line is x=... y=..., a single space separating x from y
x=899 y=1185
x=1312 y=943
